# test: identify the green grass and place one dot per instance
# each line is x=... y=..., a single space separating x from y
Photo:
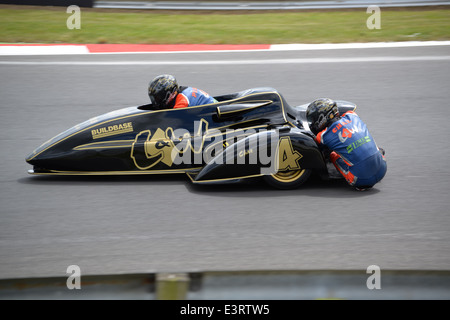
x=31 y=25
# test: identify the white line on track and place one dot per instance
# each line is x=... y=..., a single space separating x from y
x=78 y=49
x=358 y=45
x=231 y=62
x=43 y=50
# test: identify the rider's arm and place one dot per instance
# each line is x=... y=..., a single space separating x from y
x=319 y=136
x=181 y=101
x=349 y=112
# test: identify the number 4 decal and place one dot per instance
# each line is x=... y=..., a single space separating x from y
x=287 y=157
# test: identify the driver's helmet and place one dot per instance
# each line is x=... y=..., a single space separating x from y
x=321 y=113
x=163 y=90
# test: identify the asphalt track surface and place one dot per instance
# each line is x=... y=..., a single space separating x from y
x=109 y=225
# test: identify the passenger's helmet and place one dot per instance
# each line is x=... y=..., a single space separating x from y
x=321 y=113
x=162 y=91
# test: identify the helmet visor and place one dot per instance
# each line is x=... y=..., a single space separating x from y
x=163 y=99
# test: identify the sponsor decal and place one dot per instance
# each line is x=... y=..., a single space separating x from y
x=176 y=147
x=345 y=134
x=357 y=144
x=112 y=130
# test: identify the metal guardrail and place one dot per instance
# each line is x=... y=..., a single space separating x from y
x=251 y=285
x=263 y=5
x=63 y=3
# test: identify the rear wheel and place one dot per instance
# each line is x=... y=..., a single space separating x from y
x=290 y=179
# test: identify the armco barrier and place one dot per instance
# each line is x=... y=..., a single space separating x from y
x=63 y=3
x=237 y=285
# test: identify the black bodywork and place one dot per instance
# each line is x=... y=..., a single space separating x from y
x=210 y=143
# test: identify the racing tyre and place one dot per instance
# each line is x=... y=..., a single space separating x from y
x=288 y=179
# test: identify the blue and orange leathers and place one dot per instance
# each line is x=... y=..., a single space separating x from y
x=354 y=152
x=191 y=97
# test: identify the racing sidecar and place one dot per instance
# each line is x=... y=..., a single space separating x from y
x=245 y=134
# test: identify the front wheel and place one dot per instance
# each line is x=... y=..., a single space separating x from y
x=291 y=179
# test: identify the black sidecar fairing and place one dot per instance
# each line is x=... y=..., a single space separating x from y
x=139 y=140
